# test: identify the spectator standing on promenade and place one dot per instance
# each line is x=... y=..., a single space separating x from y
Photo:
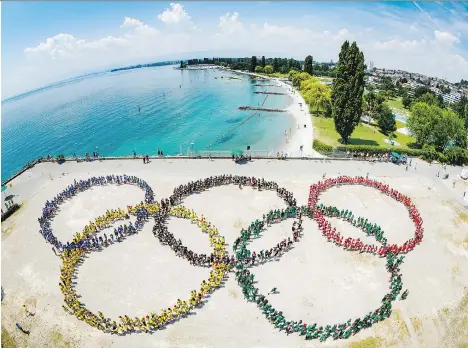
x=19 y=327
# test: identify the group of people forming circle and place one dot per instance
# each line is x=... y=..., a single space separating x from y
x=240 y=262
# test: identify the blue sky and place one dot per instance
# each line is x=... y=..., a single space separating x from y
x=43 y=42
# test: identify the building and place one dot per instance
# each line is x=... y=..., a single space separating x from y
x=451 y=98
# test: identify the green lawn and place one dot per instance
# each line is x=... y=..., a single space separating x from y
x=325 y=78
x=276 y=74
x=398 y=105
x=324 y=130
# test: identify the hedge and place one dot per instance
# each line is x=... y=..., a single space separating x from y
x=321 y=147
x=380 y=149
x=10 y=211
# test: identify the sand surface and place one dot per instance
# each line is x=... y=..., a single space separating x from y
x=298 y=136
x=317 y=281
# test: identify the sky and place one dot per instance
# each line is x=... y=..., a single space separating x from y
x=45 y=42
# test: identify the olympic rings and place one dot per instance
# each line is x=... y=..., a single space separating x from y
x=318 y=214
x=52 y=207
x=71 y=259
x=219 y=260
x=246 y=281
x=249 y=258
x=183 y=191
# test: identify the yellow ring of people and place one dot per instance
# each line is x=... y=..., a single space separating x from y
x=151 y=321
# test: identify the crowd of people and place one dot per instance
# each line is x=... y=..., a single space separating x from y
x=247 y=257
x=72 y=253
x=52 y=207
x=72 y=258
x=165 y=237
x=204 y=184
x=319 y=212
x=343 y=330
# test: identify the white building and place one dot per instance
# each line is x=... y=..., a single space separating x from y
x=451 y=98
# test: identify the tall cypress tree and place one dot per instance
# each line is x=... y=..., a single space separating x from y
x=308 y=68
x=276 y=64
x=347 y=90
x=253 y=63
x=263 y=61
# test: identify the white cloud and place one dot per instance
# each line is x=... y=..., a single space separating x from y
x=230 y=24
x=445 y=37
x=175 y=15
x=132 y=23
x=66 y=45
x=425 y=50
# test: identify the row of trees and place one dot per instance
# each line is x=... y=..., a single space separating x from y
x=316 y=94
x=280 y=65
x=434 y=126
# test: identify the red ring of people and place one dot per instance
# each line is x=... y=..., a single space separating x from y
x=355 y=243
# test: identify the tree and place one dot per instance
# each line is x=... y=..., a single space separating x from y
x=422 y=120
x=347 y=90
x=428 y=98
x=253 y=63
x=276 y=64
x=292 y=73
x=299 y=77
x=406 y=101
x=182 y=65
x=263 y=61
x=316 y=94
x=258 y=69
x=268 y=69
x=432 y=125
x=372 y=104
x=449 y=130
x=386 y=120
x=461 y=108
x=420 y=91
x=308 y=68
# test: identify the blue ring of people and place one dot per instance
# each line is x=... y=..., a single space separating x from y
x=52 y=207
x=220 y=261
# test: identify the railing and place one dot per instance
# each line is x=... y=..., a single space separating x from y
x=255 y=154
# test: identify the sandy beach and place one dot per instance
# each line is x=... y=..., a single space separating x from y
x=297 y=136
x=317 y=281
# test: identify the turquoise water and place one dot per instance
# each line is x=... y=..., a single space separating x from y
x=400 y=118
x=176 y=108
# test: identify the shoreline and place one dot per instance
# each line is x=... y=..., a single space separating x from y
x=292 y=142
x=289 y=144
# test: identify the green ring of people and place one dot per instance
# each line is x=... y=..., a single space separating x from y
x=338 y=330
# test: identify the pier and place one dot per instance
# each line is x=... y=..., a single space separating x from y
x=275 y=93
x=255 y=108
x=239 y=124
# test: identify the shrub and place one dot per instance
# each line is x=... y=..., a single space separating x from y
x=268 y=69
x=456 y=155
x=430 y=153
x=10 y=211
x=258 y=69
x=322 y=147
x=379 y=149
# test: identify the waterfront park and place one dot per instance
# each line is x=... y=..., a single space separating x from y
x=267 y=253
x=319 y=244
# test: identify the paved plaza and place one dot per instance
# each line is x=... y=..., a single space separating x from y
x=317 y=281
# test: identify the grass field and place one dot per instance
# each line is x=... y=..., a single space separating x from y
x=325 y=78
x=324 y=130
x=276 y=74
x=398 y=105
